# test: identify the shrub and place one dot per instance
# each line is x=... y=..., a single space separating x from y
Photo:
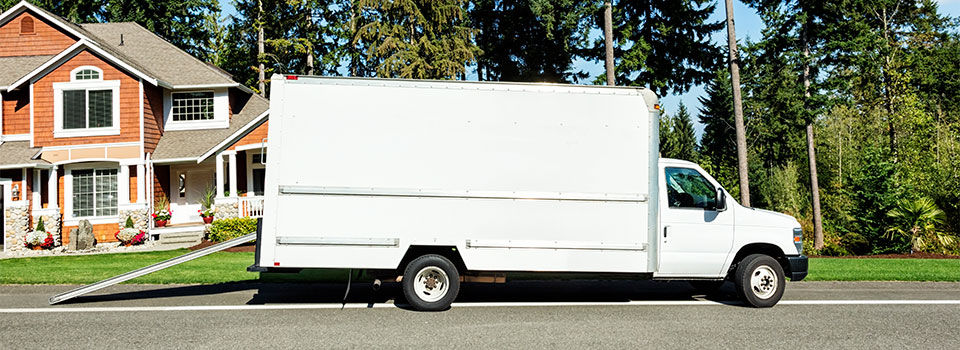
x=226 y=229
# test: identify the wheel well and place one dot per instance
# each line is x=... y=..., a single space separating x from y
x=449 y=252
x=760 y=248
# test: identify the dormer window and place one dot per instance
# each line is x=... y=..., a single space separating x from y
x=189 y=106
x=27 y=26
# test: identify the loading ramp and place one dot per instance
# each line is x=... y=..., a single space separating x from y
x=152 y=268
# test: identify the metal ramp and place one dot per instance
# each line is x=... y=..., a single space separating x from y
x=152 y=268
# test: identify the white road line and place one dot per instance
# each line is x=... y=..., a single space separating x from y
x=457 y=305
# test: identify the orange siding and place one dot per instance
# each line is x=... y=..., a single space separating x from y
x=256 y=136
x=46 y=39
x=16 y=112
x=152 y=117
x=133 y=184
x=104 y=233
x=161 y=181
x=43 y=104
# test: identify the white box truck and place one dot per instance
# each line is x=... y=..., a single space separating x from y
x=437 y=181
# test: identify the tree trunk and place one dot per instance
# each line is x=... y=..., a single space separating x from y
x=306 y=34
x=608 y=41
x=742 y=165
x=811 y=150
x=261 y=79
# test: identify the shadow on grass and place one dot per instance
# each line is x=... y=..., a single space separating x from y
x=362 y=292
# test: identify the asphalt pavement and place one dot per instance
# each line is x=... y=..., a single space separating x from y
x=525 y=314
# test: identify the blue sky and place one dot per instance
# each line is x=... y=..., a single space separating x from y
x=748 y=27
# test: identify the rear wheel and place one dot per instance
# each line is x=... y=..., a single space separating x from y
x=759 y=280
x=431 y=283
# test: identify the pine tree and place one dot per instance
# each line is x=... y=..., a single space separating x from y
x=718 y=144
x=418 y=39
x=686 y=140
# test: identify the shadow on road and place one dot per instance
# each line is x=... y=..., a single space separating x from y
x=361 y=292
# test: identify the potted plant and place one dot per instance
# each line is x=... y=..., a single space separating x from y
x=38 y=238
x=129 y=235
x=162 y=214
x=207 y=200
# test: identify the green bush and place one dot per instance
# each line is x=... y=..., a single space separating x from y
x=226 y=229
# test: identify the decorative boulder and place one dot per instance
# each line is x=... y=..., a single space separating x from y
x=85 y=239
x=73 y=239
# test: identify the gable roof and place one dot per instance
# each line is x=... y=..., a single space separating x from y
x=15 y=67
x=162 y=59
x=18 y=154
x=192 y=144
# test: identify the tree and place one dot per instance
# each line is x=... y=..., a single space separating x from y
x=918 y=221
x=734 y=62
x=685 y=138
x=661 y=44
x=608 y=43
x=718 y=144
x=416 y=39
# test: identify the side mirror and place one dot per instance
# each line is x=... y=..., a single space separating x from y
x=721 y=200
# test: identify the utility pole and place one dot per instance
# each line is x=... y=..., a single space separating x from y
x=811 y=150
x=738 y=108
x=608 y=41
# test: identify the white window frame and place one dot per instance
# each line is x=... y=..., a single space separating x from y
x=59 y=88
x=221 y=111
x=73 y=73
x=69 y=219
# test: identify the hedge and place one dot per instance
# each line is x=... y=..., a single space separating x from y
x=226 y=229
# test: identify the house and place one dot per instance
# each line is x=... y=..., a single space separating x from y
x=101 y=120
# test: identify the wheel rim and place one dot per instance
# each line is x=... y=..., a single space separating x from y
x=431 y=284
x=763 y=282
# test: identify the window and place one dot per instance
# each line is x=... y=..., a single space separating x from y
x=686 y=188
x=86 y=74
x=94 y=192
x=258 y=158
x=189 y=106
x=84 y=109
x=27 y=26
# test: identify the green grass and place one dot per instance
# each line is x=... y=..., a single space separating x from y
x=226 y=267
x=833 y=269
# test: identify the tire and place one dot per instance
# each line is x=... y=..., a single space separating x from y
x=706 y=286
x=759 y=280
x=430 y=283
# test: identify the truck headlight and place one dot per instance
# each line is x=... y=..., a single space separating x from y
x=798 y=239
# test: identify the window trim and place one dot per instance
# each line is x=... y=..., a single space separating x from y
x=33 y=26
x=221 y=117
x=59 y=88
x=69 y=218
x=73 y=73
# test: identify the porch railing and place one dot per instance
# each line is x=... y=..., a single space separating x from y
x=251 y=207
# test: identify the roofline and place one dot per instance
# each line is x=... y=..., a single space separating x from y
x=73 y=50
x=24 y=5
x=243 y=131
x=205 y=86
x=172 y=160
x=26 y=165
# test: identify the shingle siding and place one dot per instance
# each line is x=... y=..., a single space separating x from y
x=46 y=39
x=16 y=112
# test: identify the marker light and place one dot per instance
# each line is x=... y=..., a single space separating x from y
x=292 y=77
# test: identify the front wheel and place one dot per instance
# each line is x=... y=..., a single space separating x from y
x=759 y=280
x=431 y=283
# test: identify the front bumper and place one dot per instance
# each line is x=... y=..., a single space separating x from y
x=798 y=267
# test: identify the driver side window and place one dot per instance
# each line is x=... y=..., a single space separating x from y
x=686 y=188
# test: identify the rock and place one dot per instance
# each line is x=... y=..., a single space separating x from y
x=73 y=240
x=85 y=239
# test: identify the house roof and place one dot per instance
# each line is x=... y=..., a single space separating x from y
x=181 y=144
x=18 y=154
x=157 y=56
x=16 y=67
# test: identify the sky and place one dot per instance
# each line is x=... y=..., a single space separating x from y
x=748 y=28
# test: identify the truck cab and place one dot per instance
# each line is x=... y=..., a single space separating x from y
x=706 y=235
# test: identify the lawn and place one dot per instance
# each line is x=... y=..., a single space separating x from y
x=225 y=267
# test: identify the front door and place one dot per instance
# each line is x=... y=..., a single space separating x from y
x=187 y=185
x=695 y=237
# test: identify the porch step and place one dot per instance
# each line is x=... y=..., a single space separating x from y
x=178 y=235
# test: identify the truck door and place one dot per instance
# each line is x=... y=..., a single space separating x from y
x=695 y=237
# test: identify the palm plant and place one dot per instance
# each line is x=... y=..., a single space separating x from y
x=918 y=220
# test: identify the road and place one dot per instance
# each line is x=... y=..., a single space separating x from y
x=527 y=314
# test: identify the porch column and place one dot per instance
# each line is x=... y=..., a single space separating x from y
x=233 y=173
x=141 y=184
x=219 y=158
x=36 y=190
x=53 y=186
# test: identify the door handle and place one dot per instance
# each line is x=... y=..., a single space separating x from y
x=665 y=231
